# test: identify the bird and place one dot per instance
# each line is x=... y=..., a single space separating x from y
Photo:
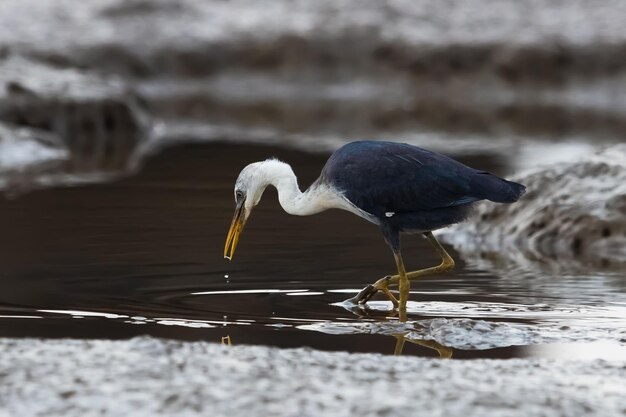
x=402 y=188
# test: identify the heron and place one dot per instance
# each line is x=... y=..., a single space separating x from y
x=399 y=187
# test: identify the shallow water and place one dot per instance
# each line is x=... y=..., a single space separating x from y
x=143 y=255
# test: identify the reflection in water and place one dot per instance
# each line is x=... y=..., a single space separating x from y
x=443 y=351
x=255 y=291
x=484 y=326
x=76 y=313
x=588 y=327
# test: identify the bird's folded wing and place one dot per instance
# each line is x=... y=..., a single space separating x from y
x=404 y=179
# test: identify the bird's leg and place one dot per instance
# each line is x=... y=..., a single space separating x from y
x=383 y=284
x=389 y=295
x=447 y=263
x=392 y=237
x=403 y=284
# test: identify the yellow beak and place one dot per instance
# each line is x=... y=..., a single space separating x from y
x=236 y=227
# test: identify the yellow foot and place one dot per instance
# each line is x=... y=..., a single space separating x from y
x=368 y=292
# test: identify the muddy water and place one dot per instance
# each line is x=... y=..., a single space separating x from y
x=143 y=255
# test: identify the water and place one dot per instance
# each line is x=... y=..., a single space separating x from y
x=143 y=255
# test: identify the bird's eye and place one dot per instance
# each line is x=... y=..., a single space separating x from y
x=238 y=195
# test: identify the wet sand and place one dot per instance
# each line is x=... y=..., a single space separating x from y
x=155 y=377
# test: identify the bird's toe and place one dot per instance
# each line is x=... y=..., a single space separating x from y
x=364 y=295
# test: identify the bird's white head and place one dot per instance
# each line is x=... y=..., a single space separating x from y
x=251 y=184
x=249 y=188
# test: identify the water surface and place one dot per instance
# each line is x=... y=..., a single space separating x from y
x=143 y=255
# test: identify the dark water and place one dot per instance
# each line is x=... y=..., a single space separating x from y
x=143 y=255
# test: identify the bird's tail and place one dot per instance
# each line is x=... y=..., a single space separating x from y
x=496 y=189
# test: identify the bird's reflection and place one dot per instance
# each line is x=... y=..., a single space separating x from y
x=363 y=311
x=444 y=352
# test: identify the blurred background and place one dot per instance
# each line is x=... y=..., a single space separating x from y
x=123 y=125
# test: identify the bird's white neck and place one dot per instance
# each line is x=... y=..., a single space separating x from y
x=317 y=198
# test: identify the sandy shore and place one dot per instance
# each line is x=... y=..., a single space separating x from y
x=145 y=376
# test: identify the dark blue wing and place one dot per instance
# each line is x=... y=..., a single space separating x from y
x=380 y=177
